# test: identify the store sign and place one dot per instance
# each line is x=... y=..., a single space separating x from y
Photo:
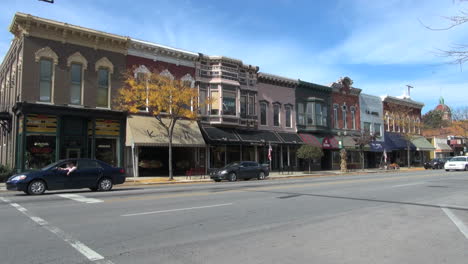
x=105 y=127
x=37 y=150
x=326 y=143
x=41 y=123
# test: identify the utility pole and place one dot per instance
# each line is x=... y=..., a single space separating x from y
x=409 y=89
x=48 y=1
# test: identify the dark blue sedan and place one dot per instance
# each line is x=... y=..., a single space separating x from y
x=89 y=173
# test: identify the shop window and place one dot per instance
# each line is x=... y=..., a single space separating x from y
x=76 y=83
x=40 y=151
x=367 y=127
x=276 y=115
x=218 y=156
x=45 y=86
x=106 y=150
x=263 y=113
x=229 y=103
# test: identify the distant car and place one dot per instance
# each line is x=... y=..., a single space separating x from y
x=240 y=170
x=457 y=163
x=93 y=174
x=437 y=163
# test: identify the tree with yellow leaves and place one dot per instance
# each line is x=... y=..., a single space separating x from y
x=166 y=99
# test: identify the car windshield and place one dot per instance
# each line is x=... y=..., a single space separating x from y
x=458 y=159
x=232 y=164
x=50 y=166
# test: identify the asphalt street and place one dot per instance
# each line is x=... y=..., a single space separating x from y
x=402 y=217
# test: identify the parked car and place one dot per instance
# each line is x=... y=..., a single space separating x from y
x=457 y=163
x=89 y=173
x=437 y=163
x=240 y=170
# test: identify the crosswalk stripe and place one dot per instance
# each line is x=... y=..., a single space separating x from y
x=80 y=198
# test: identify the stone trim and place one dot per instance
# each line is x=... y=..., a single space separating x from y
x=166 y=73
x=46 y=52
x=104 y=62
x=77 y=57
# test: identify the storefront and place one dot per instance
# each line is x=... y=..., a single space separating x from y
x=422 y=151
x=374 y=157
x=442 y=149
x=50 y=133
x=398 y=145
x=228 y=145
x=148 y=152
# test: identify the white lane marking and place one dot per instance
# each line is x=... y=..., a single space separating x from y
x=408 y=184
x=80 y=198
x=461 y=226
x=76 y=244
x=180 y=209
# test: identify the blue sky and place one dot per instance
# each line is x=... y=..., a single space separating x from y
x=381 y=45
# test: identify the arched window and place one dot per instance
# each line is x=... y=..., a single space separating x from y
x=104 y=70
x=335 y=116
x=353 y=116
x=344 y=109
x=47 y=60
x=166 y=73
x=77 y=64
x=141 y=75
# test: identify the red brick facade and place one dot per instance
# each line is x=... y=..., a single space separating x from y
x=345 y=97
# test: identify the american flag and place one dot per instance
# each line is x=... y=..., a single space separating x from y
x=385 y=155
x=269 y=152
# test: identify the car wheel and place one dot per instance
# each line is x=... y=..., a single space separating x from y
x=105 y=185
x=36 y=187
x=446 y=170
x=232 y=177
x=261 y=175
x=94 y=189
x=217 y=180
x=466 y=167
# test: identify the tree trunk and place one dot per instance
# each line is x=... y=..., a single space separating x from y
x=309 y=165
x=170 y=157
x=362 y=159
x=408 y=152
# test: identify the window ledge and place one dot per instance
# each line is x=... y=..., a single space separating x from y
x=103 y=108
x=76 y=106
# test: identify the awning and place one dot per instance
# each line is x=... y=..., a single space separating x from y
x=330 y=143
x=258 y=136
x=147 y=131
x=348 y=142
x=290 y=138
x=310 y=139
x=441 y=145
x=376 y=146
x=395 y=141
x=220 y=135
x=422 y=144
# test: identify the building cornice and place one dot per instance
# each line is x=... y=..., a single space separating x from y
x=314 y=86
x=157 y=52
x=276 y=80
x=229 y=60
x=28 y=25
x=405 y=101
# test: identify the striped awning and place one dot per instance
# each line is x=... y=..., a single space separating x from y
x=330 y=142
x=310 y=139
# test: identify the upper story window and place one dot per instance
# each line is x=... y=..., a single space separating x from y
x=377 y=129
x=367 y=127
x=300 y=114
x=263 y=113
x=320 y=114
x=310 y=114
x=103 y=88
x=335 y=116
x=77 y=64
x=243 y=106
x=104 y=70
x=276 y=115
x=288 y=116
x=76 y=84
x=46 y=76
x=229 y=103
x=202 y=100
x=214 y=102
x=251 y=104
x=141 y=76
x=344 y=109
x=47 y=60
x=353 y=116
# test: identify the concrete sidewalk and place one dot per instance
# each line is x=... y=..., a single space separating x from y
x=273 y=175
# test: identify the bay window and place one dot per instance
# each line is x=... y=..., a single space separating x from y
x=300 y=114
x=229 y=103
x=310 y=114
x=214 y=103
x=243 y=106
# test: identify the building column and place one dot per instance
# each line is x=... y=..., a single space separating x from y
x=289 y=158
x=240 y=154
x=281 y=157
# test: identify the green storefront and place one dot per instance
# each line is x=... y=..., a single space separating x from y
x=47 y=133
